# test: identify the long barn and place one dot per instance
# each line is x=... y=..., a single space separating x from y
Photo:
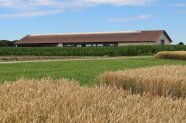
x=152 y=37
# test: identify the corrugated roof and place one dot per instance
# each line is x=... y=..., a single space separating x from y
x=132 y=36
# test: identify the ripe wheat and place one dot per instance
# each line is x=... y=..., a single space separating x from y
x=63 y=101
x=159 y=80
x=180 y=55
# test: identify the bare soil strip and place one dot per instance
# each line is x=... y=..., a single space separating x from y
x=70 y=59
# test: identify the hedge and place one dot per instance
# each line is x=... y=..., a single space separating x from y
x=89 y=51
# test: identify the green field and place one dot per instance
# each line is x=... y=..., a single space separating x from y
x=85 y=72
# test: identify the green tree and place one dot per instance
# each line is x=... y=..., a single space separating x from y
x=6 y=43
x=180 y=43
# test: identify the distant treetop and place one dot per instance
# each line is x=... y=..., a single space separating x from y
x=7 y=43
x=180 y=43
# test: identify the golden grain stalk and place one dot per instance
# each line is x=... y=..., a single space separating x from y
x=180 y=55
x=46 y=101
x=159 y=80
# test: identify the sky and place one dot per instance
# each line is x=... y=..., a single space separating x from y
x=19 y=18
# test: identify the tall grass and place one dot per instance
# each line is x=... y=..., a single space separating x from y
x=89 y=51
x=159 y=80
x=64 y=101
x=179 y=55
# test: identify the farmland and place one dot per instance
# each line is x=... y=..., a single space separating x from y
x=65 y=101
x=166 y=80
x=85 y=72
x=179 y=55
x=89 y=51
x=69 y=91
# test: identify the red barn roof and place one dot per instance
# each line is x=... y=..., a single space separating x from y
x=133 y=36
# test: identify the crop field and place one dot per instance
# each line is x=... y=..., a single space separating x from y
x=94 y=91
x=48 y=101
x=168 y=80
x=179 y=55
x=85 y=72
x=89 y=51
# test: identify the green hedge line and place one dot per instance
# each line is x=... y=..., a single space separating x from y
x=88 y=51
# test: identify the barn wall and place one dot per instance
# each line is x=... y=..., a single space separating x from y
x=141 y=43
x=165 y=38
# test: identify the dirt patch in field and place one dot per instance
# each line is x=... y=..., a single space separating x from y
x=28 y=58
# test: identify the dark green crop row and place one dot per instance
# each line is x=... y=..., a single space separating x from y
x=89 y=51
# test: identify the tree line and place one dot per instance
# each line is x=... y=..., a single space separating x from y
x=7 y=43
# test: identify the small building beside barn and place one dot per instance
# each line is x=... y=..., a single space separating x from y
x=151 y=37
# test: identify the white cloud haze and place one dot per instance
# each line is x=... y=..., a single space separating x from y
x=136 y=18
x=30 y=8
x=30 y=14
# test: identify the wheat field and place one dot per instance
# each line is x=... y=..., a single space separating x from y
x=64 y=101
x=179 y=55
x=158 y=80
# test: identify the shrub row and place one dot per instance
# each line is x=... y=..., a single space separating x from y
x=89 y=51
x=180 y=55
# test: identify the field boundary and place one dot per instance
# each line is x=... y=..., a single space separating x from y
x=76 y=59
